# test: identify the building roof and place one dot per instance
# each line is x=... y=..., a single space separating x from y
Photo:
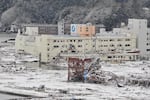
x=39 y=25
x=94 y=37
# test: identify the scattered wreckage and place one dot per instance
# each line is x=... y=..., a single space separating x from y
x=11 y=67
x=12 y=62
x=89 y=70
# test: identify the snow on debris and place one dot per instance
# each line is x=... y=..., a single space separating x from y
x=53 y=83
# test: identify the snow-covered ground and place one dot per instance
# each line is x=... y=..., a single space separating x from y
x=129 y=69
x=55 y=82
x=28 y=81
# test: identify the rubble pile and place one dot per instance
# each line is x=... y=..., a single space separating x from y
x=104 y=77
x=12 y=68
x=139 y=82
x=12 y=62
x=97 y=75
x=89 y=70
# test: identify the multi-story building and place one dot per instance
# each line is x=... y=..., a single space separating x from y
x=139 y=27
x=109 y=46
x=38 y=29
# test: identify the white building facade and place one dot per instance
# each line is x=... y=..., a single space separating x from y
x=129 y=42
x=110 y=47
x=139 y=27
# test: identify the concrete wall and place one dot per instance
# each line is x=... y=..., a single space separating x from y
x=52 y=46
x=139 y=27
x=31 y=30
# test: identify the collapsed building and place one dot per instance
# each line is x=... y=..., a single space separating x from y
x=90 y=70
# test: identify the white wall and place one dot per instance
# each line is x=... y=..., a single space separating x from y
x=139 y=27
x=32 y=30
x=61 y=27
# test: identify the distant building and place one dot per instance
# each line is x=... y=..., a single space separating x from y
x=14 y=28
x=61 y=27
x=38 y=29
x=139 y=27
x=82 y=29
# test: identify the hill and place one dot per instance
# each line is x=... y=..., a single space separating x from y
x=108 y=12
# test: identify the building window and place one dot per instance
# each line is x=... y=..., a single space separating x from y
x=73 y=51
x=54 y=41
x=112 y=45
x=56 y=46
x=119 y=40
x=148 y=49
x=147 y=39
x=127 y=45
x=79 y=40
x=119 y=45
x=147 y=33
x=127 y=39
x=147 y=44
x=48 y=44
x=87 y=29
x=109 y=57
x=111 y=40
x=79 y=45
x=47 y=49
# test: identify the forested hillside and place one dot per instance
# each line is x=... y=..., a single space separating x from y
x=108 y=12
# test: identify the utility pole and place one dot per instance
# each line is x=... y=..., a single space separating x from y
x=39 y=59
